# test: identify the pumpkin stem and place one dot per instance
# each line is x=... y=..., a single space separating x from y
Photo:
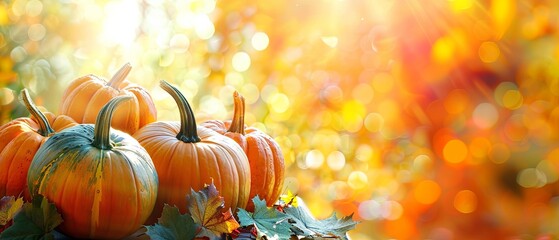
x=101 y=134
x=238 y=122
x=188 y=132
x=44 y=127
x=120 y=76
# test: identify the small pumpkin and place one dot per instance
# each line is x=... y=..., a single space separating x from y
x=264 y=154
x=188 y=156
x=19 y=141
x=85 y=96
x=101 y=180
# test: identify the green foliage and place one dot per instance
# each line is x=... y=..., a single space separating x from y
x=305 y=223
x=269 y=222
x=205 y=218
x=172 y=225
x=289 y=220
x=37 y=221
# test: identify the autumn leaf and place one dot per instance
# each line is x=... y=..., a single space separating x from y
x=269 y=222
x=304 y=223
x=206 y=208
x=172 y=225
x=37 y=220
x=9 y=207
x=289 y=199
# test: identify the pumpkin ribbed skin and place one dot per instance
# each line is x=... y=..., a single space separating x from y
x=19 y=141
x=264 y=154
x=188 y=157
x=101 y=180
x=85 y=96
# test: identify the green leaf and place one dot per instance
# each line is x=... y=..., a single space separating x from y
x=172 y=225
x=36 y=221
x=206 y=208
x=305 y=223
x=269 y=222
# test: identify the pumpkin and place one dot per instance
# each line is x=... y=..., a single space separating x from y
x=19 y=141
x=85 y=96
x=264 y=154
x=101 y=180
x=188 y=156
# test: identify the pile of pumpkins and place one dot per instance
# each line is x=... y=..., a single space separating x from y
x=109 y=166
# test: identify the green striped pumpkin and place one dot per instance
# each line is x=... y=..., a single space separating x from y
x=101 y=180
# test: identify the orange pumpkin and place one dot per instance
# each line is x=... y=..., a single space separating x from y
x=85 y=96
x=19 y=141
x=188 y=156
x=264 y=154
x=101 y=180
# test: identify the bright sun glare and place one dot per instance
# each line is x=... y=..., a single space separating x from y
x=122 y=22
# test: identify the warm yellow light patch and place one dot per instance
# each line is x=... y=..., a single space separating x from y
x=499 y=153
x=427 y=192
x=502 y=12
x=279 y=103
x=241 y=61
x=383 y=82
x=513 y=99
x=465 y=201
x=260 y=41
x=489 y=52
x=456 y=101
x=4 y=19
x=336 y=160
x=455 y=151
x=443 y=50
x=460 y=5
x=479 y=147
x=374 y=122
x=330 y=41
x=314 y=159
x=357 y=180
x=6 y=96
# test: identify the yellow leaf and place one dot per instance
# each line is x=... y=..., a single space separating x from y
x=9 y=207
x=289 y=198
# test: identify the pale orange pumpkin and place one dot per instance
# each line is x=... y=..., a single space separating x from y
x=19 y=141
x=188 y=156
x=264 y=154
x=85 y=96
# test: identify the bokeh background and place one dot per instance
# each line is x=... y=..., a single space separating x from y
x=426 y=119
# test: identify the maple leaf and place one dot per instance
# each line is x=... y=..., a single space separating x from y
x=37 y=220
x=172 y=225
x=269 y=222
x=9 y=207
x=206 y=208
x=305 y=224
x=289 y=199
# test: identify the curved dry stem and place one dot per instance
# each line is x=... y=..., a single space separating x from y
x=188 y=132
x=119 y=76
x=44 y=127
